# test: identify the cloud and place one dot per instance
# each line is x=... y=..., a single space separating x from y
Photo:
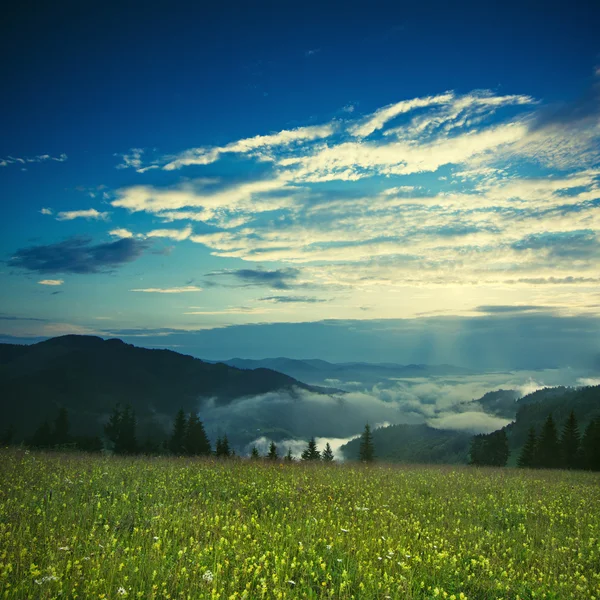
x=51 y=282
x=88 y=214
x=46 y=211
x=517 y=308
x=292 y=299
x=174 y=290
x=40 y=158
x=313 y=52
x=120 y=233
x=206 y=156
x=477 y=422
x=77 y=255
x=279 y=279
x=131 y=160
x=173 y=234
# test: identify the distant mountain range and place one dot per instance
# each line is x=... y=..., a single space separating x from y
x=89 y=376
x=319 y=371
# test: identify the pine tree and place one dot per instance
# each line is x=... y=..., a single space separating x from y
x=528 y=453
x=327 y=453
x=477 y=450
x=223 y=450
x=548 y=447
x=42 y=438
x=289 y=456
x=311 y=452
x=367 y=450
x=178 y=435
x=272 y=455
x=196 y=442
x=112 y=429
x=569 y=442
x=7 y=435
x=61 y=434
x=254 y=454
x=590 y=446
x=127 y=438
x=497 y=448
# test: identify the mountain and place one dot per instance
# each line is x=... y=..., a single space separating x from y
x=89 y=376
x=321 y=372
x=423 y=444
x=415 y=444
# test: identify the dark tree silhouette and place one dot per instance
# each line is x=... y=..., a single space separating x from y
x=42 y=437
x=569 y=443
x=489 y=450
x=548 y=448
x=528 y=453
x=178 y=435
x=289 y=457
x=311 y=452
x=272 y=455
x=7 y=435
x=366 y=451
x=590 y=446
x=223 y=450
x=120 y=430
x=196 y=441
x=327 y=453
x=254 y=454
x=61 y=435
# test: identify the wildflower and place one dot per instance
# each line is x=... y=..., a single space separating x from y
x=291 y=582
x=208 y=576
x=328 y=546
x=122 y=591
x=64 y=548
x=345 y=530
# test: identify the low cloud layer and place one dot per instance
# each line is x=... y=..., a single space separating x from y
x=77 y=255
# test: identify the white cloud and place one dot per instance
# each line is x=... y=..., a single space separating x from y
x=51 y=282
x=46 y=211
x=174 y=290
x=121 y=233
x=131 y=159
x=40 y=158
x=173 y=234
x=474 y=421
x=90 y=213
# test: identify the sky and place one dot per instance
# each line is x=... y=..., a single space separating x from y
x=354 y=181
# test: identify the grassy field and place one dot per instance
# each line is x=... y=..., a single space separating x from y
x=88 y=527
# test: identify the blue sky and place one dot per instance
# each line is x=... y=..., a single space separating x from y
x=165 y=172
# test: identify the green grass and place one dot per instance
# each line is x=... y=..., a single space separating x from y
x=74 y=526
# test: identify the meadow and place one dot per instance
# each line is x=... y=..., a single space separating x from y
x=76 y=526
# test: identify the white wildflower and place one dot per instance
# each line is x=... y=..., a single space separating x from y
x=208 y=576
x=122 y=591
x=291 y=582
x=328 y=546
x=345 y=530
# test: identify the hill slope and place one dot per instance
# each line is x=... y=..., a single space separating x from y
x=89 y=375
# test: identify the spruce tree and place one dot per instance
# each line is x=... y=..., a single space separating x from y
x=112 y=429
x=477 y=450
x=178 y=435
x=590 y=446
x=327 y=453
x=367 y=449
x=272 y=455
x=196 y=442
x=289 y=457
x=569 y=442
x=528 y=453
x=42 y=438
x=60 y=433
x=127 y=438
x=254 y=454
x=311 y=452
x=223 y=450
x=548 y=447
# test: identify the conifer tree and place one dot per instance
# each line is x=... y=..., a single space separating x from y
x=223 y=450
x=327 y=453
x=590 y=446
x=127 y=438
x=61 y=434
x=528 y=453
x=7 y=435
x=289 y=456
x=311 y=452
x=254 y=454
x=367 y=449
x=569 y=442
x=112 y=429
x=272 y=455
x=178 y=435
x=548 y=447
x=42 y=438
x=196 y=442
x=477 y=450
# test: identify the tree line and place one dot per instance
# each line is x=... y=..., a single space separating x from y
x=546 y=450
x=187 y=438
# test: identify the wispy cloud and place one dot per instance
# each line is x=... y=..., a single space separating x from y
x=46 y=211
x=279 y=279
x=292 y=299
x=120 y=232
x=51 y=282
x=173 y=290
x=27 y=160
x=89 y=214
